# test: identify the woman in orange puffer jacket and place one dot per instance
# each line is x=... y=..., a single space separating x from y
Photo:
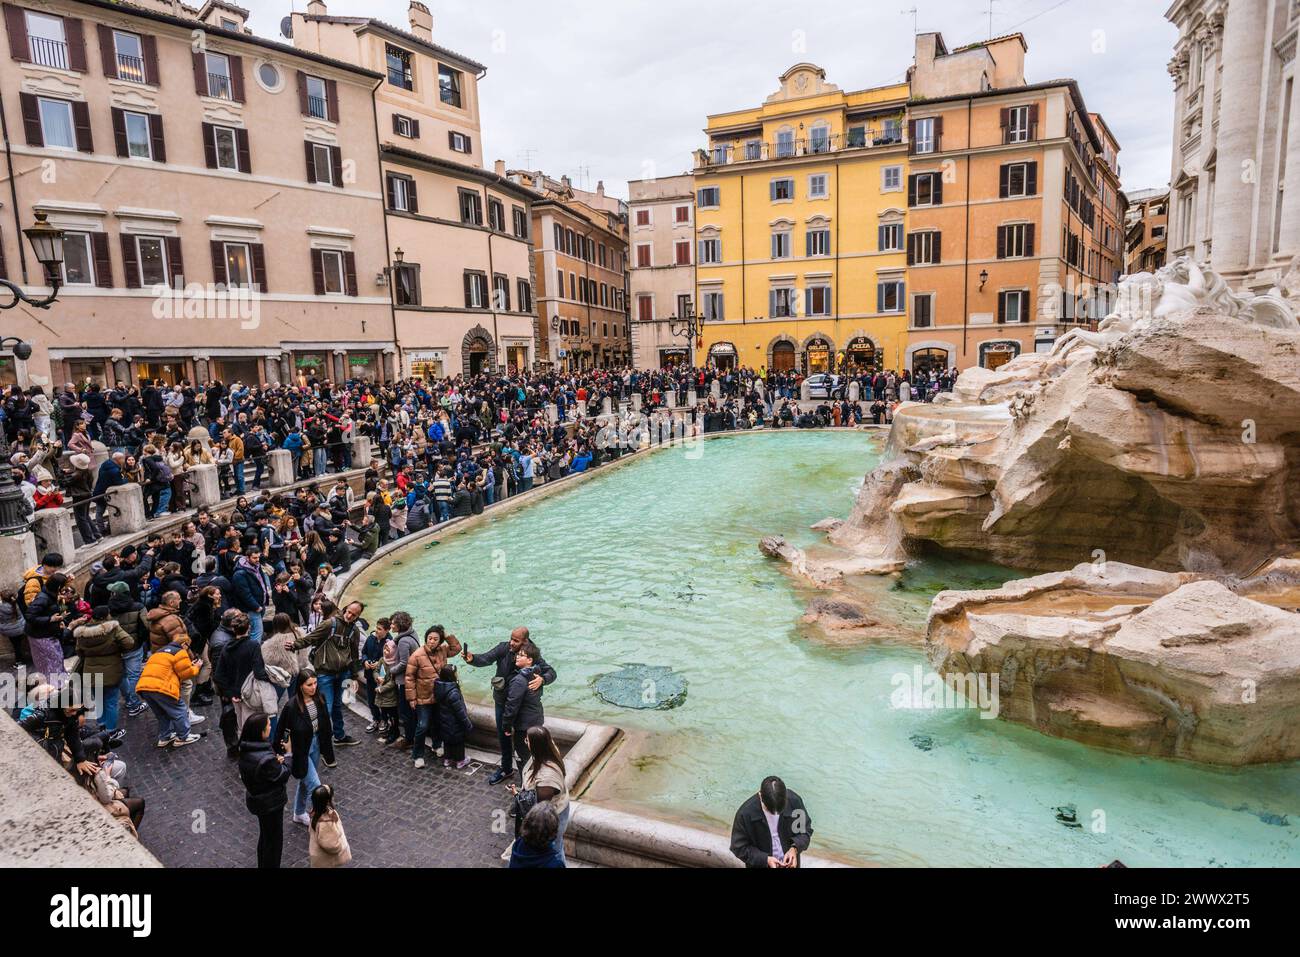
x=160 y=687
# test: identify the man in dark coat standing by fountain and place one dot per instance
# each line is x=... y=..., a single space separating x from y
x=503 y=656
x=772 y=828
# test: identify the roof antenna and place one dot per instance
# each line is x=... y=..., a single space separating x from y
x=913 y=13
x=991 y=2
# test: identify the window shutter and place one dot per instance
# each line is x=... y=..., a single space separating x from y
x=938 y=133
x=151 y=74
x=259 y=266
x=81 y=120
x=336 y=163
x=469 y=144
x=209 y=146
x=388 y=180
x=219 y=276
x=411 y=201
x=200 y=73
x=395 y=116
x=1024 y=306
x=935 y=255
x=911 y=136
x=1033 y=121
x=771 y=303
x=350 y=272
x=1029 y=239
x=807 y=302
x=332 y=100
x=175 y=261
x=830 y=302
x=130 y=263
x=1004 y=118
x=451 y=140
x=310 y=151
x=911 y=189
x=318 y=271
x=936 y=188
x=304 y=105
x=469 y=291
x=911 y=249
x=31 y=119
x=16 y=26
x=103 y=264
x=1004 y=180
x=1031 y=178
x=1002 y=307
x=157 y=139
x=75 y=33
x=1002 y=242
x=771 y=191
x=241 y=148
x=880 y=297
x=415 y=129
x=236 y=78
x=107 y=51
x=119 y=132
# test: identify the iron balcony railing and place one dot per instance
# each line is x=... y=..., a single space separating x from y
x=46 y=52
x=130 y=68
x=219 y=86
x=318 y=107
x=752 y=151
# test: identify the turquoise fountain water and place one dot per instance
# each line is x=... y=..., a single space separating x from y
x=657 y=562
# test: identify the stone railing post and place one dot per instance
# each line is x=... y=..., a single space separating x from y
x=17 y=554
x=128 y=499
x=361 y=451
x=280 y=467
x=53 y=530
x=205 y=486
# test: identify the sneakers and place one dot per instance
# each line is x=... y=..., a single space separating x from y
x=196 y=718
x=446 y=763
x=304 y=819
x=419 y=763
x=371 y=728
x=138 y=710
x=116 y=737
x=166 y=742
x=190 y=738
x=462 y=764
x=499 y=775
x=328 y=763
x=345 y=742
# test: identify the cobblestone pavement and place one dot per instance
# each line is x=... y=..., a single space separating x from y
x=394 y=815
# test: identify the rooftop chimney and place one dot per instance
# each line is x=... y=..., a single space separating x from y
x=600 y=188
x=421 y=21
x=500 y=168
x=316 y=8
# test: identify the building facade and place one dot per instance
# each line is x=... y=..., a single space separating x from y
x=800 y=213
x=1146 y=227
x=1013 y=207
x=580 y=261
x=170 y=147
x=1236 y=110
x=458 y=234
x=661 y=269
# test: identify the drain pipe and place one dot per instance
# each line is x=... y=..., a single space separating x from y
x=13 y=191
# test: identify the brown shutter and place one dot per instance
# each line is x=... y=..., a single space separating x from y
x=175 y=261
x=1033 y=121
x=936 y=254
x=107 y=51
x=318 y=271
x=236 y=78
x=911 y=189
x=219 y=276
x=395 y=127
x=130 y=262
x=451 y=140
x=151 y=74
x=81 y=120
x=388 y=187
x=259 y=265
x=1031 y=178
x=336 y=164
x=1004 y=180
x=119 y=132
x=1024 y=306
x=411 y=199
x=468 y=295
x=16 y=26
x=1029 y=239
x=31 y=119
x=209 y=146
x=1004 y=121
x=350 y=272
x=936 y=188
x=241 y=148
x=911 y=136
x=309 y=150
x=938 y=133
x=304 y=103
x=74 y=31
x=911 y=249
x=103 y=264
x=1002 y=242
x=469 y=144
x=1002 y=307
x=332 y=100
x=157 y=139
x=415 y=129
x=200 y=73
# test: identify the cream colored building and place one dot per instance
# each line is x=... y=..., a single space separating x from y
x=1236 y=138
x=458 y=235
x=661 y=266
x=170 y=144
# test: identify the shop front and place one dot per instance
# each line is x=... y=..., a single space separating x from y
x=309 y=366
x=516 y=358
x=722 y=356
x=861 y=355
x=670 y=357
x=428 y=365
x=994 y=355
x=168 y=371
x=363 y=366
x=817 y=356
x=925 y=361
x=245 y=369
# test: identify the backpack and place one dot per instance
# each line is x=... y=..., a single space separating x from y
x=253 y=446
x=160 y=473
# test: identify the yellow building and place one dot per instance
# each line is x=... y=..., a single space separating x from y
x=801 y=208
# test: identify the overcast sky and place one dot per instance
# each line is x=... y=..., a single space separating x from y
x=616 y=90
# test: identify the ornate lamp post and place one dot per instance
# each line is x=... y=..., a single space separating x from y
x=689 y=327
x=47 y=242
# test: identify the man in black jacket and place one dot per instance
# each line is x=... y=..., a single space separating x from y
x=503 y=656
x=772 y=828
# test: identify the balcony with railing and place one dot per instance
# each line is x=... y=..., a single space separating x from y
x=318 y=106
x=757 y=151
x=47 y=52
x=130 y=68
x=219 y=86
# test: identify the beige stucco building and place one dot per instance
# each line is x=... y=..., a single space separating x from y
x=661 y=266
x=1236 y=137
x=1146 y=229
x=458 y=235
x=170 y=147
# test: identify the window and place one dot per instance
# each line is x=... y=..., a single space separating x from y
x=46 y=40
x=643 y=256
x=710 y=197
x=323 y=162
x=404 y=126
x=891 y=132
x=923 y=248
x=399 y=193
x=785 y=143
x=818 y=242
x=890 y=237
x=332 y=268
x=78 y=260
x=924 y=140
x=525 y=295
x=239 y=267
x=496 y=215
x=643 y=217
x=57 y=128
x=819 y=139
x=857 y=136
x=399 y=68
x=712 y=303
x=710 y=251
x=317 y=98
x=476 y=291
x=889 y=295
x=500 y=293
x=151 y=254
x=448 y=85
x=1015 y=240
x=817 y=186
x=1018 y=124
x=459 y=142
x=129 y=53
x=817 y=300
x=645 y=308
x=753 y=149
x=471 y=208
x=682 y=252
x=891 y=179
x=681 y=214
x=406 y=284
x=269 y=76
x=520 y=217
x=1013 y=305
x=782 y=190
x=782 y=302
x=923 y=310
x=219 y=85
x=781 y=245
x=227 y=147
x=1017 y=179
x=925 y=189
x=228 y=24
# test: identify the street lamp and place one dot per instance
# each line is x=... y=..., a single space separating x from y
x=47 y=243
x=984 y=277
x=688 y=327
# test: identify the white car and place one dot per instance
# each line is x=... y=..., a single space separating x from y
x=823 y=385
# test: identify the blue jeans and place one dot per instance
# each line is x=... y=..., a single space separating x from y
x=132 y=664
x=164 y=500
x=425 y=721
x=489 y=494
x=108 y=716
x=239 y=477
x=302 y=796
x=255 y=626
x=564 y=826
x=259 y=466
x=173 y=717
x=444 y=511
x=318 y=461
x=331 y=688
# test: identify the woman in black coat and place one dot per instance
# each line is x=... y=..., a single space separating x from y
x=305 y=723
x=264 y=774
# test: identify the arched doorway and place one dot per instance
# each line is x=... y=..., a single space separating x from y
x=722 y=356
x=476 y=352
x=861 y=355
x=925 y=361
x=994 y=355
x=782 y=356
x=817 y=355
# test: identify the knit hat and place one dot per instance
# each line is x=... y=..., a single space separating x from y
x=118 y=588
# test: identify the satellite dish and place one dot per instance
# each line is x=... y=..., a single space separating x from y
x=286 y=27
